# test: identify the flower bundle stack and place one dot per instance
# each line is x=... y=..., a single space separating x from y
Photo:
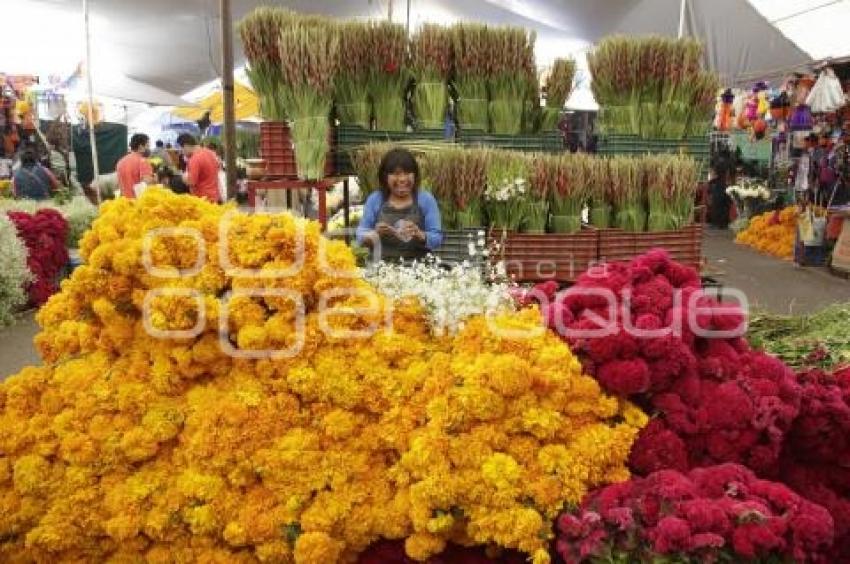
x=511 y=77
x=309 y=52
x=458 y=178
x=599 y=192
x=671 y=184
x=506 y=195
x=714 y=514
x=44 y=234
x=559 y=86
x=14 y=274
x=128 y=444
x=563 y=180
x=431 y=64
x=772 y=232
x=389 y=74
x=260 y=32
x=351 y=85
x=78 y=212
x=651 y=86
x=471 y=46
x=627 y=177
x=748 y=194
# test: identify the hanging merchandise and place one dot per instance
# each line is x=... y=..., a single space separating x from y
x=826 y=95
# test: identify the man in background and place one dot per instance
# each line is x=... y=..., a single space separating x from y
x=134 y=168
x=202 y=168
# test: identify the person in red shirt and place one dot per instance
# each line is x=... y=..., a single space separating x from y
x=201 y=170
x=134 y=167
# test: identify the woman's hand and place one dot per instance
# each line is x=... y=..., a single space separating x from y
x=382 y=229
x=412 y=231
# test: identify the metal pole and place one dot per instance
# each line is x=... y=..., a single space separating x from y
x=682 y=19
x=227 y=92
x=92 y=137
x=390 y=10
x=408 y=18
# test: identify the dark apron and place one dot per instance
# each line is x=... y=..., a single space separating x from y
x=392 y=248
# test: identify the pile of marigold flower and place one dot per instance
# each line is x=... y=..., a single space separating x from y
x=140 y=437
x=772 y=232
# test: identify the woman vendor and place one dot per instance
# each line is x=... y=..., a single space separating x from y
x=400 y=221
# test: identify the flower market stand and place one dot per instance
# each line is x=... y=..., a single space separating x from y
x=534 y=257
x=289 y=184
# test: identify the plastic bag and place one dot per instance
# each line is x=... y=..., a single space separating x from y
x=826 y=95
x=139 y=189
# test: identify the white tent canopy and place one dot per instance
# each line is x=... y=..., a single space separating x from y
x=174 y=46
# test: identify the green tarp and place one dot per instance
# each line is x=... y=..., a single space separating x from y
x=111 y=140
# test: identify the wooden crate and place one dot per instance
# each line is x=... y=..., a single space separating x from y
x=537 y=257
x=684 y=245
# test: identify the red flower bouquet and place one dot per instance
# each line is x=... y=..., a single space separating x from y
x=647 y=332
x=44 y=234
x=714 y=514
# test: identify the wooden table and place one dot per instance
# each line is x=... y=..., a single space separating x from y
x=289 y=184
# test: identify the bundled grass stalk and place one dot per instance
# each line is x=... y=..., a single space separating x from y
x=507 y=190
x=598 y=179
x=309 y=53
x=563 y=179
x=431 y=63
x=510 y=78
x=559 y=86
x=627 y=193
x=260 y=33
x=388 y=75
x=458 y=177
x=470 y=52
x=647 y=85
x=351 y=86
x=671 y=182
x=703 y=100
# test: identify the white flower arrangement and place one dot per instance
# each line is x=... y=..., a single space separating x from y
x=749 y=190
x=507 y=190
x=14 y=274
x=449 y=295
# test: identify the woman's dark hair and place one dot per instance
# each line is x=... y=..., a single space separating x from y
x=397 y=159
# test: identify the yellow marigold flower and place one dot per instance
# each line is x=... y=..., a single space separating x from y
x=421 y=546
x=317 y=548
x=501 y=470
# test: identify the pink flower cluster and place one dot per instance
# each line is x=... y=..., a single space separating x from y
x=715 y=514
x=816 y=455
x=716 y=400
x=44 y=234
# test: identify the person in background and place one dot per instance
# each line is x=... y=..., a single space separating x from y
x=720 y=204
x=201 y=169
x=134 y=167
x=400 y=221
x=32 y=181
x=162 y=153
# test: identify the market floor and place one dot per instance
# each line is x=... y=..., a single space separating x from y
x=16 y=349
x=770 y=284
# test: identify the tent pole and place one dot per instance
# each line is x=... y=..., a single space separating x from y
x=227 y=92
x=682 y=18
x=92 y=137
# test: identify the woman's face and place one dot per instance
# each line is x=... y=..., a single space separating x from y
x=400 y=183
